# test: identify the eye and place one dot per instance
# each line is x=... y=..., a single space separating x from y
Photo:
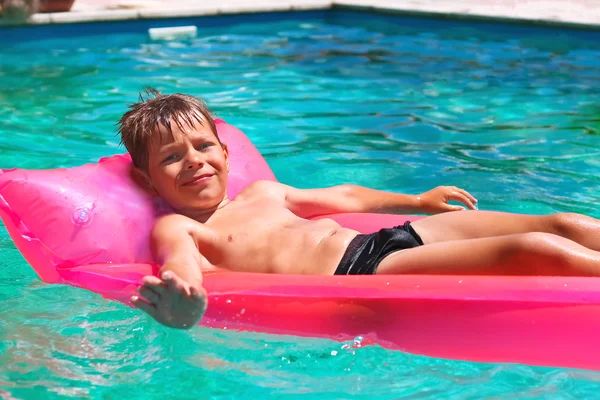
x=204 y=146
x=169 y=158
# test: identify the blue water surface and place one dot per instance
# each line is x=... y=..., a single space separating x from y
x=510 y=113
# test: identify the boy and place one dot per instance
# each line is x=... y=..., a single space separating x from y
x=176 y=151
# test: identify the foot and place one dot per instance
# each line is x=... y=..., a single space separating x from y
x=171 y=300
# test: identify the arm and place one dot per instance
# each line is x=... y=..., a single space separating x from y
x=176 y=298
x=174 y=245
x=357 y=199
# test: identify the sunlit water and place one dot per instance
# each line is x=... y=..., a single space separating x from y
x=511 y=114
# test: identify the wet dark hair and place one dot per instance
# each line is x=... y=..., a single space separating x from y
x=142 y=122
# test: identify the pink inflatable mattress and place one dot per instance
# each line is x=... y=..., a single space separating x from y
x=88 y=227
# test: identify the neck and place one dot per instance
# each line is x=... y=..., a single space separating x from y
x=203 y=215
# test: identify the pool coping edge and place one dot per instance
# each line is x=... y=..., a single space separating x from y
x=442 y=11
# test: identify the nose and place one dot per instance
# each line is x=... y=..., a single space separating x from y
x=193 y=160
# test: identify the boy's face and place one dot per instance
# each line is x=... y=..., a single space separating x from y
x=188 y=169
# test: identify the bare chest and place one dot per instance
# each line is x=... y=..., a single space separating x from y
x=264 y=236
x=251 y=219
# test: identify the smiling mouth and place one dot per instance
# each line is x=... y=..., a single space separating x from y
x=198 y=179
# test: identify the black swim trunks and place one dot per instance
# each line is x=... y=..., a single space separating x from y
x=365 y=252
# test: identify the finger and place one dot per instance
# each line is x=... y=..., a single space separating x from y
x=197 y=295
x=151 y=280
x=463 y=199
x=148 y=308
x=469 y=195
x=149 y=294
x=471 y=200
x=154 y=283
x=450 y=207
x=174 y=283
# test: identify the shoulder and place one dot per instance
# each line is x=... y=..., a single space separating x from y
x=174 y=228
x=175 y=224
x=173 y=220
x=264 y=189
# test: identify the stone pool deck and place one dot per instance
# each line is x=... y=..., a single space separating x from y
x=580 y=13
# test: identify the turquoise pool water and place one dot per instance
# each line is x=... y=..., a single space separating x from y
x=510 y=113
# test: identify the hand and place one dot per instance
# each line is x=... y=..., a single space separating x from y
x=171 y=301
x=436 y=200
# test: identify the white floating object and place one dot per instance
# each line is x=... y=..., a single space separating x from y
x=173 y=33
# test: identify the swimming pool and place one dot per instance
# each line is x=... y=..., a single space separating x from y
x=508 y=112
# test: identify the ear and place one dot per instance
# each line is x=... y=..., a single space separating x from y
x=142 y=179
x=226 y=153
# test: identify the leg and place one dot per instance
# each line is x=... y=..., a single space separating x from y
x=480 y=224
x=520 y=254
